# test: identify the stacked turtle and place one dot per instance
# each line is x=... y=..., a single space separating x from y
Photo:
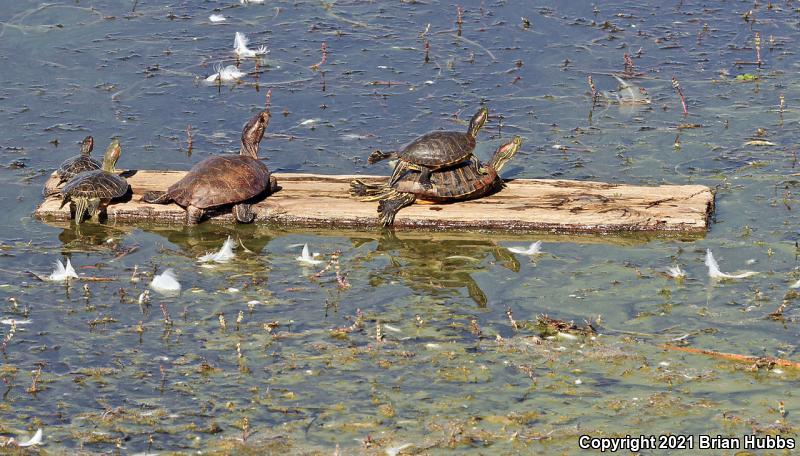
x=73 y=166
x=439 y=167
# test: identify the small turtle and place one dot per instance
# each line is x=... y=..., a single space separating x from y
x=91 y=191
x=224 y=179
x=435 y=150
x=462 y=182
x=74 y=166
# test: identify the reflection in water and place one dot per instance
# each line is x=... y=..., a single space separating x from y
x=441 y=266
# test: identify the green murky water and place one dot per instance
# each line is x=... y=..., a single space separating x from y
x=297 y=366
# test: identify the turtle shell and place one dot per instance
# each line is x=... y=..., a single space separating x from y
x=438 y=149
x=76 y=165
x=461 y=182
x=220 y=180
x=96 y=184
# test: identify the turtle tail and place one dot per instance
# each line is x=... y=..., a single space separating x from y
x=156 y=198
x=389 y=207
x=377 y=156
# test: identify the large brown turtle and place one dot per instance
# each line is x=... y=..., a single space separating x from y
x=224 y=179
x=73 y=166
x=91 y=191
x=435 y=150
x=462 y=182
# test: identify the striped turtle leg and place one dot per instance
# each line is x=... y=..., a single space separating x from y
x=244 y=213
x=81 y=206
x=389 y=207
x=94 y=209
x=193 y=215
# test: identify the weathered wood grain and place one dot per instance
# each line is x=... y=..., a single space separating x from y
x=314 y=200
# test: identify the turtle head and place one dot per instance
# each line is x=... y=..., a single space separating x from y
x=477 y=121
x=111 y=156
x=504 y=153
x=87 y=145
x=253 y=132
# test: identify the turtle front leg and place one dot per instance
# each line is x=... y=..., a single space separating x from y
x=81 y=205
x=244 y=213
x=94 y=209
x=193 y=215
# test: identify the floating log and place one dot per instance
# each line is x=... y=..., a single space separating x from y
x=314 y=200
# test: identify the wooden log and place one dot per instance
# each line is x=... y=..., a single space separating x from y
x=313 y=200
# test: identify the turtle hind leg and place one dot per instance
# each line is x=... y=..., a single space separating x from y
x=193 y=215
x=244 y=213
x=388 y=208
x=156 y=198
x=425 y=178
x=377 y=156
x=273 y=184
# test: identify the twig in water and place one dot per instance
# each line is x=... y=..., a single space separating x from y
x=189 y=141
x=165 y=312
x=163 y=376
x=459 y=19
x=511 y=319
x=268 y=100
x=677 y=86
x=593 y=90
x=765 y=361
x=758 y=48
x=316 y=66
x=427 y=46
x=628 y=65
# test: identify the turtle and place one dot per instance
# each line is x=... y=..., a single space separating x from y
x=462 y=182
x=91 y=191
x=435 y=150
x=74 y=165
x=224 y=179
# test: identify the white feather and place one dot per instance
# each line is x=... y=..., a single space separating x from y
x=715 y=273
x=534 y=249
x=35 y=440
x=245 y=2
x=224 y=254
x=240 y=47
x=307 y=257
x=12 y=321
x=795 y=285
x=676 y=272
x=62 y=273
x=166 y=283
x=217 y=18
x=228 y=74
x=394 y=451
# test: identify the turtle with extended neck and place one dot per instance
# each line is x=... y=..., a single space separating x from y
x=73 y=166
x=224 y=180
x=463 y=182
x=91 y=191
x=435 y=150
